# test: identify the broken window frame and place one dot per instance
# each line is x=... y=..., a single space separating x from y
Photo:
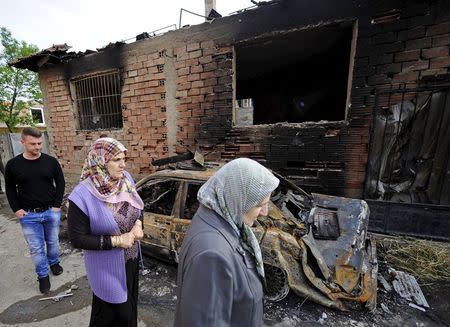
x=184 y=198
x=41 y=112
x=111 y=94
x=176 y=200
x=266 y=36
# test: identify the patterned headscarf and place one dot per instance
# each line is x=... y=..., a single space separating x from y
x=237 y=187
x=105 y=187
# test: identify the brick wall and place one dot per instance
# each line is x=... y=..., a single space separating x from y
x=204 y=90
x=325 y=157
x=144 y=109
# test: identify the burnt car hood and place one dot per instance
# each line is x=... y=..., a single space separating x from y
x=328 y=258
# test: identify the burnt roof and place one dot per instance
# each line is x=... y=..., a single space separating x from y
x=56 y=54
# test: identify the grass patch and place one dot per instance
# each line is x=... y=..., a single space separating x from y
x=428 y=261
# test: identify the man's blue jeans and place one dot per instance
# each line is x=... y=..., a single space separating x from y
x=41 y=229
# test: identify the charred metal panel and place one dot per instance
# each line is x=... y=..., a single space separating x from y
x=157 y=233
x=178 y=230
x=421 y=220
x=409 y=162
x=326 y=224
x=346 y=254
x=409 y=156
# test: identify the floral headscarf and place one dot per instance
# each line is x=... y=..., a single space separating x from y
x=237 y=187
x=101 y=183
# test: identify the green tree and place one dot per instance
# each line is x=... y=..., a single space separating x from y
x=19 y=88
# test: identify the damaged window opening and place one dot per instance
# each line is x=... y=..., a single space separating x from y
x=159 y=198
x=97 y=99
x=38 y=116
x=294 y=77
x=191 y=203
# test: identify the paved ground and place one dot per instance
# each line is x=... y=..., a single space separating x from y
x=20 y=305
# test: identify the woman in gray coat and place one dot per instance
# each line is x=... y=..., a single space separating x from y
x=221 y=272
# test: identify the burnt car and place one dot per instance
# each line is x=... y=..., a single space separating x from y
x=313 y=244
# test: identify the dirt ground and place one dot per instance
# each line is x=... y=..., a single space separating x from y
x=158 y=289
x=19 y=305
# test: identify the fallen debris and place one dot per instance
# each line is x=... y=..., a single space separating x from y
x=385 y=308
x=354 y=323
x=384 y=283
x=407 y=287
x=57 y=297
x=322 y=318
x=61 y=295
x=412 y=305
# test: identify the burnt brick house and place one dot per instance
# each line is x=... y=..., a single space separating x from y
x=334 y=94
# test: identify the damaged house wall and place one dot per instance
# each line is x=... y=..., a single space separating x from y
x=184 y=89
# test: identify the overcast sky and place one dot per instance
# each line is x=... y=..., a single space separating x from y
x=92 y=24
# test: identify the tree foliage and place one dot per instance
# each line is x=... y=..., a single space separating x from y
x=19 y=88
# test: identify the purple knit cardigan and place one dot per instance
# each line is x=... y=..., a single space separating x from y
x=105 y=269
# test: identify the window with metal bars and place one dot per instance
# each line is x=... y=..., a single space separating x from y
x=97 y=101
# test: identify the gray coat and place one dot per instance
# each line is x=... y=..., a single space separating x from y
x=218 y=284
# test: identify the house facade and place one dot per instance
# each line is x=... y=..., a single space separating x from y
x=292 y=84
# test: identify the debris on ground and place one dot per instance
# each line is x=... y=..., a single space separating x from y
x=407 y=287
x=428 y=261
x=385 y=308
x=354 y=323
x=384 y=283
x=322 y=318
x=59 y=296
x=412 y=305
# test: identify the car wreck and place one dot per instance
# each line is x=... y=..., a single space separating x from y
x=313 y=244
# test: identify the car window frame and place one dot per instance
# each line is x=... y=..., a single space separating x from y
x=176 y=202
x=185 y=194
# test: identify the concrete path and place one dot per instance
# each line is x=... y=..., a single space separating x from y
x=19 y=290
x=19 y=305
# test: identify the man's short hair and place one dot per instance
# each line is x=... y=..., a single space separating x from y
x=31 y=131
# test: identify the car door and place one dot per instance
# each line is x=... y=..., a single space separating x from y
x=188 y=207
x=161 y=198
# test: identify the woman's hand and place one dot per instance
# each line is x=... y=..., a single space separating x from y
x=137 y=230
x=125 y=241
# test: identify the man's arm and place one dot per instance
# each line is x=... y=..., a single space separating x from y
x=11 y=188
x=60 y=185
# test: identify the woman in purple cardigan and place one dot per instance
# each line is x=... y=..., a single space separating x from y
x=104 y=220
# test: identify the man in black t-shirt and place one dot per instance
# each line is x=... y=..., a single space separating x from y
x=34 y=184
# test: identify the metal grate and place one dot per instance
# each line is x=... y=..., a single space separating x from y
x=97 y=100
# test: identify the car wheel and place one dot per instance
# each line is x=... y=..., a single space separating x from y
x=277 y=283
